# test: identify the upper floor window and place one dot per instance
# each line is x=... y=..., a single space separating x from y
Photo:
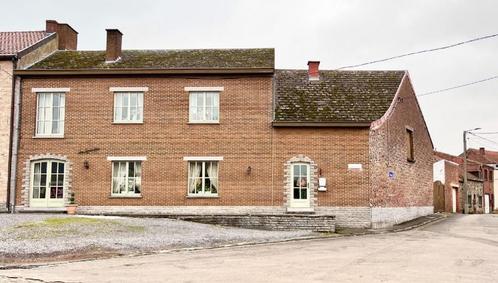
x=50 y=114
x=409 y=149
x=204 y=107
x=128 y=107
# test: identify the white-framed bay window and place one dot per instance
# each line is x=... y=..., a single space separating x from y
x=204 y=106
x=203 y=177
x=126 y=176
x=50 y=112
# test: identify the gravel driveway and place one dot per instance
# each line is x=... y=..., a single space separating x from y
x=31 y=236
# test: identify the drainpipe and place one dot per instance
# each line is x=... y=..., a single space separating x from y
x=12 y=77
x=15 y=143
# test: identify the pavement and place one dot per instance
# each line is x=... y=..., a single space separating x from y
x=459 y=248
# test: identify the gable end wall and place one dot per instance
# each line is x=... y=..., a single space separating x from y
x=407 y=193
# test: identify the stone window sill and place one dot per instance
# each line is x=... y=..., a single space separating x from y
x=125 y=197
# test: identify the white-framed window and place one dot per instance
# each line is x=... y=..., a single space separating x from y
x=50 y=114
x=126 y=178
x=203 y=178
x=128 y=107
x=204 y=106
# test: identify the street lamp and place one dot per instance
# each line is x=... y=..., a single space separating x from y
x=465 y=164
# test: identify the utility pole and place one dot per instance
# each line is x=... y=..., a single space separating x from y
x=465 y=167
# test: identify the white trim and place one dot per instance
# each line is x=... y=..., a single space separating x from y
x=126 y=158
x=126 y=89
x=204 y=88
x=50 y=89
x=355 y=166
x=202 y=158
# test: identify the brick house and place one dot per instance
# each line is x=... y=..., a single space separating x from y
x=19 y=50
x=448 y=169
x=488 y=171
x=220 y=131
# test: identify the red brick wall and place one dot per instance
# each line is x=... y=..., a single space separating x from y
x=412 y=182
x=332 y=149
x=451 y=178
x=165 y=137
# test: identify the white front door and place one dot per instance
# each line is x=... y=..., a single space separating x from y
x=300 y=185
x=454 y=200
x=47 y=184
x=486 y=203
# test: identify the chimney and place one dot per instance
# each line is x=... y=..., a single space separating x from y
x=313 y=71
x=66 y=35
x=113 y=48
x=482 y=151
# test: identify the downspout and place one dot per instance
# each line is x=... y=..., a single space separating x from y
x=14 y=66
x=15 y=143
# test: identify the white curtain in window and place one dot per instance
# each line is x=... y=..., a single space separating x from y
x=212 y=170
x=194 y=171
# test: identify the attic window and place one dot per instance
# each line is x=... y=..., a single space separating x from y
x=410 y=156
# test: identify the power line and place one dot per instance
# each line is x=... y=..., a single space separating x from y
x=486 y=139
x=487 y=133
x=420 y=52
x=458 y=86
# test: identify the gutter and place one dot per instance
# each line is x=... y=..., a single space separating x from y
x=123 y=71
x=321 y=124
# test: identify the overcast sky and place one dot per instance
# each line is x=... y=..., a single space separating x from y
x=337 y=33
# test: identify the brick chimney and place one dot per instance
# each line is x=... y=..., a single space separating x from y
x=67 y=36
x=482 y=151
x=113 y=48
x=313 y=71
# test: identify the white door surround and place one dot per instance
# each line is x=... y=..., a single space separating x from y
x=51 y=194
x=303 y=197
x=487 y=209
x=454 y=199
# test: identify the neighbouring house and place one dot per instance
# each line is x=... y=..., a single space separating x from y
x=220 y=132
x=19 y=50
x=449 y=189
x=488 y=172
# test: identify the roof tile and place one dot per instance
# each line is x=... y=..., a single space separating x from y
x=13 y=42
x=338 y=96
x=160 y=59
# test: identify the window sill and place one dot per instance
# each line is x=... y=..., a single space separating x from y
x=124 y=196
x=203 y=196
x=203 y=123
x=127 y=123
x=48 y=137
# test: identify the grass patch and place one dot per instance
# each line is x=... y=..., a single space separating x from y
x=73 y=227
x=58 y=222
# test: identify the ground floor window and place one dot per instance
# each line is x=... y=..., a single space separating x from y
x=203 y=178
x=126 y=178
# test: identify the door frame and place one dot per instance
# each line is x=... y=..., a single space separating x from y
x=454 y=199
x=299 y=203
x=487 y=208
x=47 y=202
x=288 y=183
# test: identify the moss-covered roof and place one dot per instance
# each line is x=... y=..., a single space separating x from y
x=161 y=59
x=338 y=96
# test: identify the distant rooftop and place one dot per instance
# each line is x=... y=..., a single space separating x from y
x=13 y=42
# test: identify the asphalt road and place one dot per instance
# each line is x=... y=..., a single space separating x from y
x=462 y=248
